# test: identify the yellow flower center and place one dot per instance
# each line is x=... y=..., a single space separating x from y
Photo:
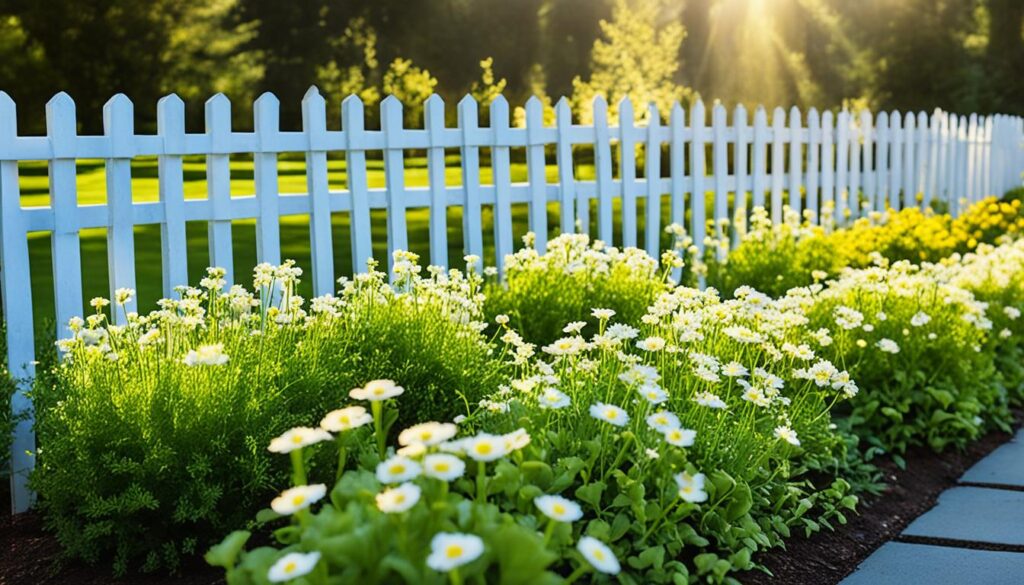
x=611 y=414
x=425 y=435
x=559 y=509
x=296 y=439
x=483 y=448
x=290 y=567
x=396 y=469
x=441 y=467
x=453 y=551
x=399 y=498
x=598 y=554
x=297 y=500
x=686 y=489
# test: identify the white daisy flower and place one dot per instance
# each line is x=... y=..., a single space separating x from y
x=553 y=399
x=691 y=487
x=653 y=393
x=443 y=466
x=653 y=343
x=377 y=390
x=486 y=447
x=920 y=319
x=709 y=400
x=345 y=419
x=680 y=437
x=599 y=555
x=206 y=355
x=558 y=508
x=398 y=469
x=399 y=499
x=888 y=346
x=662 y=421
x=293 y=565
x=450 y=550
x=428 y=433
x=298 y=498
x=602 y=314
x=298 y=438
x=787 y=434
x=609 y=413
x=734 y=370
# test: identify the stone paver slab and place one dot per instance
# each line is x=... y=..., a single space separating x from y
x=1004 y=466
x=974 y=514
x=897 y=563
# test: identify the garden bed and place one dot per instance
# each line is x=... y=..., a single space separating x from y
x=828 y=557
x=33 y=556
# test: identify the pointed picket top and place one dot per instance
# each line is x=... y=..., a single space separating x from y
x=812 y=116
x=312 y=94
x=534 y=103
x=895 y=120
x=563 y=111
x=352 y=113
x=169 y=108
x=794 y=116
x=218 y=120
x=468 y=109
x=718 y=115
x=761 y=115
x=909 y=119
x=267 y=119
x=826 y=118
x=778 y=115
x=119 y=125
x=433 y=117
x=626 y=111
x=499 y=112
x=170 y=123
x=697 y=113
x=61 y=125
x=391 y=118
x=882 y=119
x=677 y=112
x=740 y=113
x=314 y=117
x=653 y=117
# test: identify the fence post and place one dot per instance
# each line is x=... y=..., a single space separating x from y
x=17 y=305
x=909 y=156
x=795 y=160
x=867 y=168
x=760 y=155
x=218 y=183
x=677 y=158
x=895 y=159
x=740 y=165
x=352 y=121
x=394 y=177
x=813 y=162
x=828 y=177
x=842 y=166
x=433 y=115
x=880 y=181
x=536 y=169
x=698 y=168
x=119 y=125
x=267 y=123
x=170 y=123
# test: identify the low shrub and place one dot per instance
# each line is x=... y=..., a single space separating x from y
x=676 y=450
x=153 y=437
x=544 y=291
x=916 y=346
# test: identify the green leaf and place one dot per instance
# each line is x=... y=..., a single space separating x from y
x=591 y=493
x=225 y=554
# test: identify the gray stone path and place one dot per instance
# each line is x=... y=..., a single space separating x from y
x=969 y=524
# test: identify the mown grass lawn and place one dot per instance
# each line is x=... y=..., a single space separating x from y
x=294 y=229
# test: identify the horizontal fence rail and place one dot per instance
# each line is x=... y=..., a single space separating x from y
x=852 y=163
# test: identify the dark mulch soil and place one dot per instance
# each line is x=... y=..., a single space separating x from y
x=32 y=556
x=827 y=557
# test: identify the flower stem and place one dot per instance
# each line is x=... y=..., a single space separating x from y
x=481 y=481
x=455 y=577
x=298 y=468
x=342 y=459
x=378 y=425
x=579 y=572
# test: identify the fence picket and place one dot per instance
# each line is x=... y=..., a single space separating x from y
x=170 y=119
x=353 y=119
x=813 y=162
x=828 y=163
x=119 y=126
x=853 y=201
x=61 y=128
x=652 y=170
x=394 y=176
x=698 y=168
x=472 y=221
x=895 y=159
x=842 y=166
x=795 y=160
x=603 y=162
x=778 y=162
x=910 y=142
x=720 y=170
x=321 y=240
x=218 y=184
x=869 y=182
x=566 y=180
x=627 y=172
x=267 y=124
x=759 y=153
x=17 y=305
x=880 y=161
x=677 y=159
x=740 y=208
x=433 y=114
x=502 y=182
x=536 y=168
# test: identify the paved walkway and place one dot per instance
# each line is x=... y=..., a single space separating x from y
x=974 y=534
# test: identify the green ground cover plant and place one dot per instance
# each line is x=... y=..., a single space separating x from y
x=152 y=436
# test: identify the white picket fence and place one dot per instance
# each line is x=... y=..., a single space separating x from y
x=856 y=162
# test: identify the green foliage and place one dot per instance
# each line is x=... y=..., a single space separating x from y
x=411 y=85
x=543 y=292
x=153 y=437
